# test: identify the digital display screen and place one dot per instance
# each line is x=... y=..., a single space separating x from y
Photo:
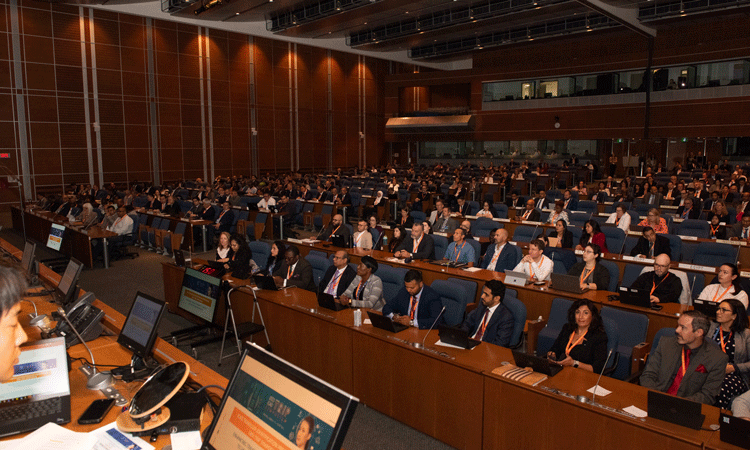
x=55 y=236
x=69 y=279
x=200 y=294
x=41 y=372
x=28 y=256
x=139 y=331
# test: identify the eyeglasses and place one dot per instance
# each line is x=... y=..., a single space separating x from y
x=661 y=266
x=588 y=251
x=724 y=310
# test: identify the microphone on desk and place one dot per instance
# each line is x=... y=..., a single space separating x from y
x=533 y=233
x=380 y=239
x=596 y=386
x=96 y=380
x=624 y=241
x=322 y=229
x=417 y=344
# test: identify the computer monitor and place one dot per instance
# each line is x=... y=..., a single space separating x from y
x=200 y=293
x=67 y=288
x=56 y=232
x=27 y=262
x=140 y=329
x=271 y=404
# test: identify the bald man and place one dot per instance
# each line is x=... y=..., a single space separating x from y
x=501 y=255
x=663 y=286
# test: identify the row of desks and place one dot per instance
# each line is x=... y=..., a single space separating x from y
x=451 y=394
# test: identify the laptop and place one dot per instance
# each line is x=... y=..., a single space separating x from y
x=734 y=430
x=39 y=391
x=340 y=241
x=675 y=410
x=327 y=301
x=707 y=307
x=516 y=278
x=265 y=282
x=567 y=283
x=452 y=264
x=635 y=297
x=457 y=337
x=385 y=323
x=538 y=364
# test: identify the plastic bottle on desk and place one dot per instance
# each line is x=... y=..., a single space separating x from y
x=385 y=242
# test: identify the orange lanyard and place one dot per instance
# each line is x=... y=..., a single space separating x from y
x=654 y=285
x=416 y=244
x=459 y=251
x=721 y=337
x=360 y=288
x=289 y=273
x=336 y=282
x=531 y=270
x=356 y=243
x=484 y=323
x=585 y=274
x=116 y=222
x=714 y=230
x=554 y=218
x=722 y=294
x=617 y=220
x=412 y=307
x=683 y=366
x=495 y=256
x=526 y=216
x=220 y=216
x=334 y=231
x=572 y=344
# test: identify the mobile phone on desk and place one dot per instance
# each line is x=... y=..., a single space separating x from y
x=96 y=411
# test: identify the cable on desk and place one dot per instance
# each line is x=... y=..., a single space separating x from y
x=211 y=386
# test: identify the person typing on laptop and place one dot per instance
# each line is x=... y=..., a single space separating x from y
x=663 y=286
x=687 y=365
x=415 y=304
x=592 y=275
x=491 y=321
x=535 y=265
x=12 y=286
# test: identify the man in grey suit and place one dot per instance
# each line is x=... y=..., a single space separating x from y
x=444 y=223
x=687 y=365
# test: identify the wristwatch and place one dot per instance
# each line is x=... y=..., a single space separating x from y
x=575 y=364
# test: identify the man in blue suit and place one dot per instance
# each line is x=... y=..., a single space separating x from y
x=491 y=321
x=501 y=255
x=222 y=223
x=415 y=304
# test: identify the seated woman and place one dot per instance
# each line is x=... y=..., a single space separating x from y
x=405 y=219
x=717 y=230
x=592 y=234
x=240 y=263
x=558 y=213
x=581 y=188
x=563 y=235
x=727 y=287
x=427 y=227
x=224 y=249
x=275 y=259
x=719 y=210
x=487 y=211
x=731 y=333
x=379 y=202
x=591 y=274
x=366 y=289
x=655 y=221
x=399 y=234
x=582 y=341
x=88 y=217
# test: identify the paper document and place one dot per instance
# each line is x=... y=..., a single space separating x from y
x=473 y=269
x=109 y=437
x=600 y=391
x=54 y=437
x=443 y=344
x=637 y=412
x=187 y=440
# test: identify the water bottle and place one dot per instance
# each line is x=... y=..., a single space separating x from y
x=385 y=242
x=357 y=317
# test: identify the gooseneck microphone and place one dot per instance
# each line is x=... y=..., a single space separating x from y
x=96 y=380
x=418 y=345
x=596 y=386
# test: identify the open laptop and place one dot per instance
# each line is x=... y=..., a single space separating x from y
x=385 y=323
x=516 y=278
x=567 y=283
x=734 y=430
x=327 y=301
x=707 y=307
x=675 y=410
x=340 y=241
x=265 y=282
x=538 y=364
x=457 y=337
x=635 y=297
x=39 y=391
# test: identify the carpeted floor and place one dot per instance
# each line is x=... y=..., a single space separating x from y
x=117 y=287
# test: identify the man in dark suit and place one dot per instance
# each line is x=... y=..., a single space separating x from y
x=741 y=230
x=415 y=304
x=344 y=199
x=651 y=245
x=491 y=321
x=653 y=197
x=687 y=365
x=295 y=271
x=530 y=213
x=445 y=223
x=501 y=255
x=222 y=223
x=688 y=210
x=540 y=202
x=514 y=201
x=418 y=246
x=463 y=207
x=336 y=228
x=338 y=277
x=569 y=202
x=663 y=286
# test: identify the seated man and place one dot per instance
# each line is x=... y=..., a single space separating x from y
x=688 y=211
x=687 y=365
x=535 y=265
x=222 y=223
x=338 y=277
x=362 y=238
x=651 y=244
x=195 y=211
x=12 y=286
x=466 y=226
x=501 y=256
x=459 y=251
x=415 y=304
x=266 y=202
x=336 y=228
x=491 y=321
x=295 y=271
x=664 y=286
x=530 y=213
x=418 y=246
x=445 y=223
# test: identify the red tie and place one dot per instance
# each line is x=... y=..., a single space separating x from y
x=480 y=332
x=680 y=373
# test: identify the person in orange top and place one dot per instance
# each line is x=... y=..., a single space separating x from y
x=655 y=221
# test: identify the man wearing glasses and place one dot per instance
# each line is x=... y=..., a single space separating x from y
x=663 y=286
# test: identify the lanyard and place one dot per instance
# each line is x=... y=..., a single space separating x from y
x=585 y=274
x=412 y=307
x=459 y=251
x=722 y=294
x=416 y=244
x=334 y=231
x=714 y=230
x=531 y=270
x=356 y=243
x=617 y=220
x=721 y=337
x=654 y=285
x=683 y=366
x=495 y=256
x=572 y=344
x=289 y=273
x=334 y=284
x=360 y=289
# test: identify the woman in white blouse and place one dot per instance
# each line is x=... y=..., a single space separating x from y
x=486 y=211
x=726 y=287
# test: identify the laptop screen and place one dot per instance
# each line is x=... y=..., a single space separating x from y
x=41 y=372
x=271 y=404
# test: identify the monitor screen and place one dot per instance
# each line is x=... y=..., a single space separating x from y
x=55 y=236
x=200 y=294
x=140 y=329
x=68 y=285
x=271 y=404
x=41 y=372
x=27 y=263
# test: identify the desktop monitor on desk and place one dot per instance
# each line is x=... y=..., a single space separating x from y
x=140 y=329
x=200 y=294
x=28 y=261
x=67 y=288
x=56 y=233
x=271 y=404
